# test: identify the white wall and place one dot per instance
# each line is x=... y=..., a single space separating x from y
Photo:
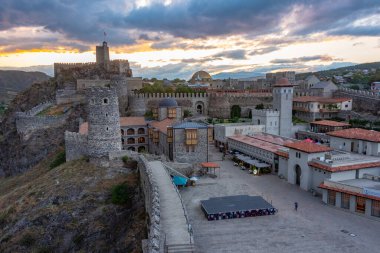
x=283 y=167
x=372 y=171
x=344 y=175
x=306 y=174
x=222 y=131
x=318 y=176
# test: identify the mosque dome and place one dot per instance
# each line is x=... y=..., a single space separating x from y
x=168 y=102
x=200 y=77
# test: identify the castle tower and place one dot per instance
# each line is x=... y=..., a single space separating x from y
x=103 y=121
x=283 y=102
x=103 y=55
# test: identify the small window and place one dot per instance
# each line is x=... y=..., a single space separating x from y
x=105 y=101
x=92 y=101
x=106 y=114
x=106 y=128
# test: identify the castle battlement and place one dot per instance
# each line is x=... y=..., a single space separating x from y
x=265 y=113
x=169 y=95
x=360 y=92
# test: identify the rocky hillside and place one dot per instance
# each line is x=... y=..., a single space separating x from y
x=14 y=81
x=18 y=155
x=70 y=209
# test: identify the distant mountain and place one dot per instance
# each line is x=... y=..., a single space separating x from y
x=261 y=71
x=14 y=81
x=47 y=69
x=330 y=72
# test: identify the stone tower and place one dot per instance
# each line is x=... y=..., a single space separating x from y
x=103 y=121
x=283 y=102
x=103 y=55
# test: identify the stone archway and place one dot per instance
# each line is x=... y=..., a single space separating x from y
x=199 y=107
x=141 y=149
x=297 y=173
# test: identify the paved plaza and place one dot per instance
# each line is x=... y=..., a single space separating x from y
x=315 y=227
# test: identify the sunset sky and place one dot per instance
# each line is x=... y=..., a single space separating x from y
x=175 y=38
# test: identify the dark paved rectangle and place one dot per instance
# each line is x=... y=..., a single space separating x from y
x=234 y=204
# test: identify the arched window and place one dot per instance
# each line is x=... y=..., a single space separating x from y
x=141 y=130
x=141 y=149
x=122 y=141
x=141 y=140
x=122 y=131
x=131 y=141
x=130 y=131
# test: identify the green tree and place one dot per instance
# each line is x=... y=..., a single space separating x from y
x=259 y=106
x=235 y=111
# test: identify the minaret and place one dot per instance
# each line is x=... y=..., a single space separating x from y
x=283 y=102
x=103 y=121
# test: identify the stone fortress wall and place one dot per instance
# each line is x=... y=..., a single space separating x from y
x=30 y=120
x=216 y=105
x=75 y=145
x=364 y=101
x=155 y=241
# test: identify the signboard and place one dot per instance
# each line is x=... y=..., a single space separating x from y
x=371 y=192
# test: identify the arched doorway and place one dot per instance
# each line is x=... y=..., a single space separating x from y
x=199 y=107
x=298 y=172
x=141 y=149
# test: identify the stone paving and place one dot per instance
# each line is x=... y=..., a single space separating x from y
x=172 y=216
x=315 y=227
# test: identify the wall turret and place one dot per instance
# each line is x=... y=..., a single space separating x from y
x=103 y=121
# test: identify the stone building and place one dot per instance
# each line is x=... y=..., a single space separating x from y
x=103 y=121
x=278 y=120
x=101 y=135
x=178 y=140
x=134 y=133
x=310 y=108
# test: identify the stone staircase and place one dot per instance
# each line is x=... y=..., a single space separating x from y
x=180 y=248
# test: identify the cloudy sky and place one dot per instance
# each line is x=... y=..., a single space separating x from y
x=174 y=38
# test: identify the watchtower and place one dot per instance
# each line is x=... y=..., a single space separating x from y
x=103 y=55
x=283 y=102
x=103 y=121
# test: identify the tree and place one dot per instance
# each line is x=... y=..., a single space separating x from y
x=259 y=106
x=187 y=113
x=235 y=111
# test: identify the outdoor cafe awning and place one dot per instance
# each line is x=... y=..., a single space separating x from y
x=253 y=162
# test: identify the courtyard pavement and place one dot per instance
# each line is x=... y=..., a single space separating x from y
x=315 y=227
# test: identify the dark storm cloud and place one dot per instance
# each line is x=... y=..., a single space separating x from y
x=238 y=54
x=86 y=20
x=323 y=58
x=202 y=18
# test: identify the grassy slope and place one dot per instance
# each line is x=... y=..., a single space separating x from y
x=68 y=208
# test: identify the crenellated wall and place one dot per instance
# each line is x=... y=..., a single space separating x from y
x=362 y=101
x=75 y=145
x=217 y=104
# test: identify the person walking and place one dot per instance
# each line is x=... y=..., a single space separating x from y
x=295 y=206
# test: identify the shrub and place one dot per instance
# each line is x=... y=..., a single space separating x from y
x=120 y=194
x=59 y=159
x=27 y=240
x=125 y=159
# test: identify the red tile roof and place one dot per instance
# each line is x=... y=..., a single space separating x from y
x=132 y=121
x=162 y=125
x=348 y=192
x=330 y=123
x=282 y=153
x=283 y=82
x=306 y=99
x=344 y=168
x=357 y=133
x=308 y=147
x=265 y=142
